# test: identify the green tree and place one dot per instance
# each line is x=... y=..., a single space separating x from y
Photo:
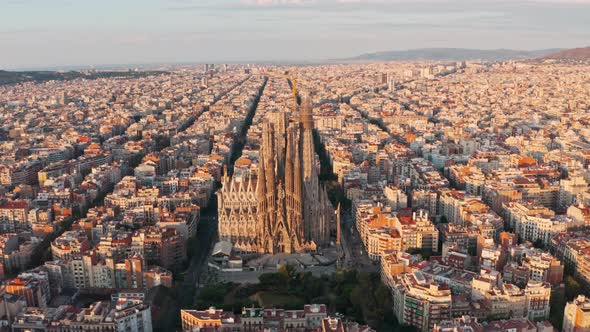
x=312 y=287
x=572 y=288
x=271 y=281
x=557 y=303
x=288 y=273
x=357 y=297
x=383 y=296
x=214 y=294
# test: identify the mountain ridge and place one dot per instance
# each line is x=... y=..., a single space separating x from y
x=578 y=53
x=451 y=54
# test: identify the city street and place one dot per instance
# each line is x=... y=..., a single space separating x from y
x=355 y=255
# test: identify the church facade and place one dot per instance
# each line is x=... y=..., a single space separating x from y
x=282 y=208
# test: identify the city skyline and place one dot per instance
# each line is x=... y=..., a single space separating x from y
x=64 y=33
x=295 y=165
x=439 y=195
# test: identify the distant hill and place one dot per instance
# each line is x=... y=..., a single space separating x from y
x=14 y=77
x=582 y=53
x=450 y=54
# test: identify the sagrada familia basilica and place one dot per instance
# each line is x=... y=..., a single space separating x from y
x=279 y=207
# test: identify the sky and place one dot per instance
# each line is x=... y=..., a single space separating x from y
x=48 y=33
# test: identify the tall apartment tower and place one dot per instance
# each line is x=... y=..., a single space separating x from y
x=390 y=82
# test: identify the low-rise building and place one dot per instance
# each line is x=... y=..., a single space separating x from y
x=576 y=316
x=311 y=318
x=420 y=301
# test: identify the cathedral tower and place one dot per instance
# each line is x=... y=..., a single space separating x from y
x=291 y=208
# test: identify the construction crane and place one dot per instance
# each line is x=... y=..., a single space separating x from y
x=287 y=75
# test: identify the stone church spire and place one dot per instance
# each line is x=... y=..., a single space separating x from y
x=307 y=146
x=306 y=113
x=289 y=210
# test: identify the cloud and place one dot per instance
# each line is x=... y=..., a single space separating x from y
x=346 y=4
x=562 y=1
x=264 y=3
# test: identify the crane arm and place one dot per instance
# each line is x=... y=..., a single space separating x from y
x=294 y=88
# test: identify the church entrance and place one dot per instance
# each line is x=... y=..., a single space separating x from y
x=281 y=243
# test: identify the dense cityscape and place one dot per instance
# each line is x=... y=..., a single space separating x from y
x=393 y=196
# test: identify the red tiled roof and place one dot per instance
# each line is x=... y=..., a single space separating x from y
x=14 y=205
